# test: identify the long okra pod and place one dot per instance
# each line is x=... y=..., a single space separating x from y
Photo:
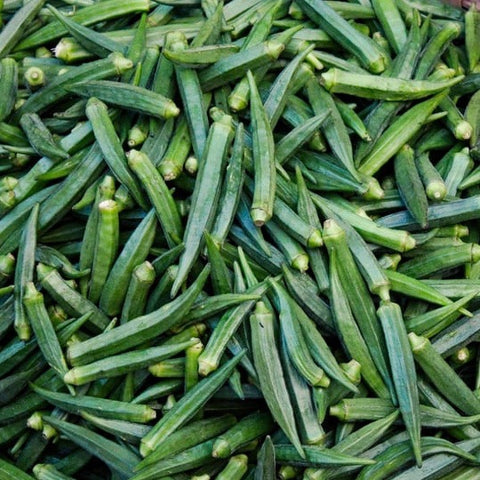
x=263 y=158
x=205 y=196
x=270 y=372
x=24 y=273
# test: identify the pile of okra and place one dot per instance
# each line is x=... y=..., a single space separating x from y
x=239 y=240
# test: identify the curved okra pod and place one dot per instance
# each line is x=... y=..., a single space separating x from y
x=226 y=327
x=93 y=41
x=293 y=336
x=383 y=88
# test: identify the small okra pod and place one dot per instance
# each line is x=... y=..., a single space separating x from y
x=7 y=267
x=403 y=371
x=302 y=230
x=221 y=276
x=24 y=271
x=159 y=195
x=290 y=143
x=334 y=127
x=205 y=196
x=123 y=363
x=244 y=431
x=458 y=170
x=161 y=293
x=105 y=191
x=434 y=321
x=187 y=406
x=472 y=116
x=434 y=184
x=135 y=331
x=235 y=469
x=112 y=150
x=9 y=76
x=263 y=158
x=172 y=163
x=170 y=368
x=106 y=247
x=410 y=185
x=136 y=295
x=191 y=366
x=269 y=369
x=293 y=251
x=278 y=93
x=434 y=49
x=442 y=375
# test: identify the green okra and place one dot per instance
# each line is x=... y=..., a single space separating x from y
x=133 y=253
x=270 y=372
x=136 y=295
x=205 y=197
x=24 y=271
x=134 y=332
x=123 y=363
x=443 y=376
x=185 y=408
x=119 y=458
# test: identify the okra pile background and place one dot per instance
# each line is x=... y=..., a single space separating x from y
x=239 y=240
